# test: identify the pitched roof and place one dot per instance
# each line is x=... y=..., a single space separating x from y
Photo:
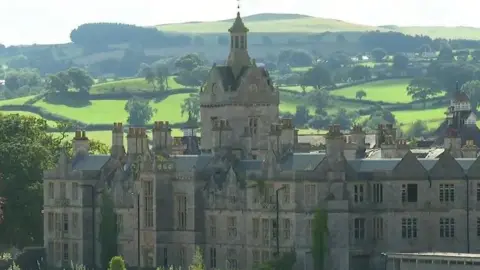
x=229 y=80
x=89 y=162
x=238 y=25
x=461 y=97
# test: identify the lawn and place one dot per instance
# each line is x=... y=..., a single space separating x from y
x=15 y=101
x=386 y=90
x=134 y=84
x=109 y=111
x=301 y=69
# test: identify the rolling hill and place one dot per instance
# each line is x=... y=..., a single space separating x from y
x=296 y=23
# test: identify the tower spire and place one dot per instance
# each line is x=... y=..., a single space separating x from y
x=238 y=6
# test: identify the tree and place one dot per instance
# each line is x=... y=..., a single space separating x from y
x=378 y=54
x=302 y=115
x=320 y=239
x=80 y=79
x=189 y=62
x=198 y=41
x=422 y=89
x=359 y=72
x=400 y=62
x=319 y=98
x=108 y=231
x=139 y=111
x=360 y=94
x=340 y=38
x=295 y=58
x=57 y=82
x=338 y=60
x=147 y=72
x=222 y=40
x=472 y=89
x=161 y=76
x=191 y=105
x=446 y=55
x=476 y=55
x=417 y=129
x=117 y=263
x=26 y=151
x=317 y=77
x=197 y=263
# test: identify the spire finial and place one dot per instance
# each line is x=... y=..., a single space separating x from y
x=238 y=6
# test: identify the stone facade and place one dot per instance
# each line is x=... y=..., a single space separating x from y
x=168 y=202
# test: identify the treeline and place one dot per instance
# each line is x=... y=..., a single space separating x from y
x=104 y=34
x=398 y=42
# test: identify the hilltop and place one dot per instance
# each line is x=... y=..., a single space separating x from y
x=303 y=24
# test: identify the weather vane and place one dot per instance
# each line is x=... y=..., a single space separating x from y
x=238 y=5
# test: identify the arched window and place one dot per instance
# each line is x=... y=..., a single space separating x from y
x=242 y=42
x=236 y=42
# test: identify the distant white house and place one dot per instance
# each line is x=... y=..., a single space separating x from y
x=2 y=82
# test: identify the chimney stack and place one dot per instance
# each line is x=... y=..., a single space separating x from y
x=81 y=144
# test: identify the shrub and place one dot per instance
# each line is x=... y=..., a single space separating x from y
x=117 y=263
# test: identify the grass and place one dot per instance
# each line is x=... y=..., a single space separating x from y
x=15 y=101
x=386 y=90
x=289 y=23
x=109 y=111
x=134 y=84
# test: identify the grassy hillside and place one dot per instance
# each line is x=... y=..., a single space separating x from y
x=294 y=23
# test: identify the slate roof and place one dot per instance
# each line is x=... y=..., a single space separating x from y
x=303 y=161
x=89 y=162
x=229 y=80
x=238 y=25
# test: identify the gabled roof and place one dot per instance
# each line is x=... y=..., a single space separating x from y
x=303 y=161
x=229 y=81
x=89 y=162
x=461 y=97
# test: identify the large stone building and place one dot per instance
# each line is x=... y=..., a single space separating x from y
x=221 y=196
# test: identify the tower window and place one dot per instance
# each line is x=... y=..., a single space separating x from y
x=231 y=42
x=236 y=42
x=242 y=42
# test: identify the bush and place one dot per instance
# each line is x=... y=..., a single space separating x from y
x=117 y=263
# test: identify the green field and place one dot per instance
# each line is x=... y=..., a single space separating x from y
x=130 y=85
x=386 y=90
x=294 y=23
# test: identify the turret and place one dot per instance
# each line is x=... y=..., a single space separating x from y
x=238 y=57
x=452 y=143
x=81 y=144
x=162 y=136
x=118 y=149
x=287 y=137
x=469 y=150
x=137 y=141
x=246 y=140
x=334 y=142
x=388 y=147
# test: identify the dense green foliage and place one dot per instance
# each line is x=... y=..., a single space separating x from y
x=117 y=263
x=139 y=111
x=320 y=239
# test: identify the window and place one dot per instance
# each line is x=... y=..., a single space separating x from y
x=377 y=193
x=232 y=227
x=310 y=194
x=255 y=228
x=253 y=125
x=231 y=42
x=358 y=193
x=148 y=204
x=58 y=252
x=51 y=190
x=242 y=42
x=63 y=190
x=286 y=194
x=232 y=196
x=181 y=202
x=75 y=252
x=256 y=257
x=447 y=227
x=181 y=257
x=65 y=223
x=213 y=257
x=275 y=228
x=309 y=231
x=51 y=251
x=266 y=231
x=265 y=256
x=286 y=229
x=359 y=228
x=165 y=257
x=447 y=192
x=478 y=227
x=478 y=192
x=119 y=223
x=236 y=42
x=58 y=225
x=409 y=193
x=50 y=222
x=212 y=220
x=75 y=223
x=232 y=263
x=409 y=228
x=74 y=191
x=377 y=228
x=65 y=252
